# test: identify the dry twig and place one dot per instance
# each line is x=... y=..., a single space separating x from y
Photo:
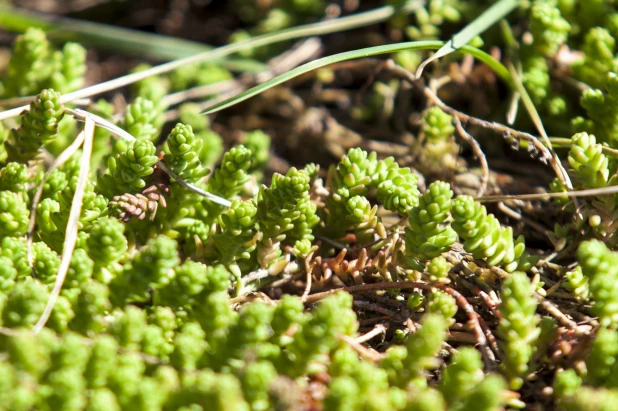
x=377 y=330
x=309 y=270
x=70 y=237
x=367 y=353
x=476 y=147
x=58 y=162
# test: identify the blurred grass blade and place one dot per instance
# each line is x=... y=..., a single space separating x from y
x=126 y=41
x=488 y=18
x=528 y=104
x=538 y=123
x=133 y=43
x=307 y=30
x=160 y=47
x=512 y=46
x=494 y=64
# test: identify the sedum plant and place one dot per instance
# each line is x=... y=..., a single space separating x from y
x=429 y=234
x=247 y=306
x=39 y=126
x=518 y=327
x=601 y=108
x=28 y=68
x=485 y=238
x=127 y=170
x=35 y=65
x=406 y=364
x=597 y=265
x=439 y=150
x=283 y=208
x=548 y=28
x=599 y=57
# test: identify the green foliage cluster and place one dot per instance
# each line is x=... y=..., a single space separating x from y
x=190 y=349
x=589 y=169
x=596 y=385
x=38 y=127
x=352 y=179
x=429 y=235
x=438 y=153
x=148 y=312
x=518 y=326
x=35 y=65
x=263 y=18
x=426 y=22
x=549 y=31
x=156 y=311
x=153 y=359
x=437 y=125
x=485 y=238
x=598 y=266
x=285 y=213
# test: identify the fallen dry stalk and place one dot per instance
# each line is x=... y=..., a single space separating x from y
x=377 y=330
x=366 y=353
x=476 y=147
x=59 y=161
x=70 y=237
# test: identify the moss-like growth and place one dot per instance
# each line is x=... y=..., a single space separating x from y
x=39 y=126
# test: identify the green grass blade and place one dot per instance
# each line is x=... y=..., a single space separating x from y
x=477 y=26
x=356 y=54
x=528 y=104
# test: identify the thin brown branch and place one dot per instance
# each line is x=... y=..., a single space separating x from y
x=461 y=337
x=377 y=308
x=476 y=147
x=489 y=302
x=538 y=123
x=547 y=154
x=555 y=312
x=377 y=330
x=593 y=192
x=497 y=127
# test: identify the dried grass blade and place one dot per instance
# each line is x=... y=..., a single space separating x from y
x=114 y=129
x=59 y=161
x=70 y=237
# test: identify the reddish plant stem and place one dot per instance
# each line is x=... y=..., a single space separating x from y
x=491 y=304
x=462 y=302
